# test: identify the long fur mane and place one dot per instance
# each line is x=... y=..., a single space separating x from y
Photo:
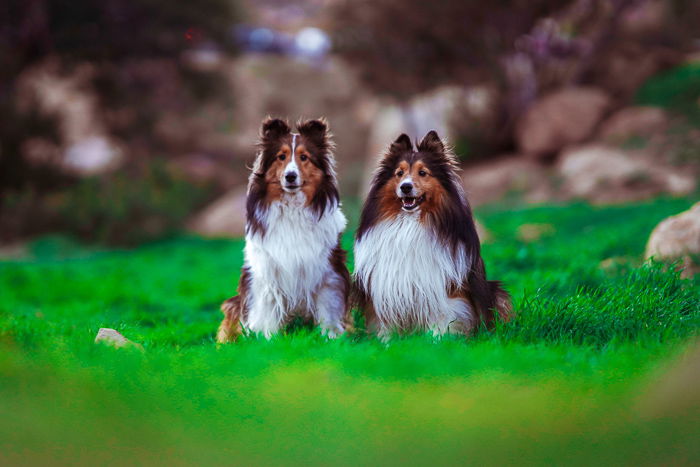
x=452 y=220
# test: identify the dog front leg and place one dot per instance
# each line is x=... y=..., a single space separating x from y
x=331 y=308
x=266 y=312
x=457 y=319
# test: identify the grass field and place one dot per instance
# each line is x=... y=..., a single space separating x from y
x=593 y=371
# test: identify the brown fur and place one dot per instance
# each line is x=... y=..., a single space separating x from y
x=433 y=171
x=338 y=261
x=313 y=156
x=311 y=175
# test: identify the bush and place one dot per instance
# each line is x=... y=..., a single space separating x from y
x=131 y=206
x=677 y=90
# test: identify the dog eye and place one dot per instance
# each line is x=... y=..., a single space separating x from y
x=281 y=157
x=422 y=173
x=303 y=157
x=399 y=173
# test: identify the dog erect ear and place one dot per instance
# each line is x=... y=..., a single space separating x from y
x=431 y=143
x=402 y=144
x=314 y=130
x=273 y=128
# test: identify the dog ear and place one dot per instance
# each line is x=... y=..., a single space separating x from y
x=273 y=128
x=432 y=143
x=402 y=144
x=314 y=130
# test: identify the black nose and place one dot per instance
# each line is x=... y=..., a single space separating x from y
x=406 y=188
x=290 y=177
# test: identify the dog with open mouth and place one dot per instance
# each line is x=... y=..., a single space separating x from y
x=294 y=265
x=418 y=262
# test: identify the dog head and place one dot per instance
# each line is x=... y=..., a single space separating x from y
x=420 y=180
x=289 y=164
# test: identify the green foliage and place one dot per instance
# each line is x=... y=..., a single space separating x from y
x=131 y=206
x=568 y=380
x=677 y=90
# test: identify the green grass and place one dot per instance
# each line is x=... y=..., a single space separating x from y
x=677 y=90
x=574 y=379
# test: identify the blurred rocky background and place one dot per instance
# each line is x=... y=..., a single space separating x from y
x=125 y=121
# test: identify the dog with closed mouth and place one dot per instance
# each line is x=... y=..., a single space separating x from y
x=294 y=265
x=418 y=262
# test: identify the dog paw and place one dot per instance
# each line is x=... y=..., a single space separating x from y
x=332 y=333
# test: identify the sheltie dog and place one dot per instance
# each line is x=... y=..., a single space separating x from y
x=294 y=266
x=418 y=262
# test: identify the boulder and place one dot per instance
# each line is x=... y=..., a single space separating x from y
x=677 y=238
x=634 y=121
x=491 y=181
x=225 y=217
x=115 y=338
x=560 y=119
x=603 y=174
x=11 y=251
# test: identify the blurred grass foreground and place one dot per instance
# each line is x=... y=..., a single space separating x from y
x=126 y=132
x=599 y=367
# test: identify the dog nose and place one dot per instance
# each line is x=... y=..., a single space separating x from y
x=290 y=177
x=406 y=188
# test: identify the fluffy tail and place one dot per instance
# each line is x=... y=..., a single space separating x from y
x=502 y=302
x=230 y=327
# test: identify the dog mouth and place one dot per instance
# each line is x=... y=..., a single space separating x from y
x=292 y=188
x=410 y=203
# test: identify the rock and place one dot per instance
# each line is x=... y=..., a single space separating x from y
x=87 y=148
x=616 y=265
x=634 y=121
x=114 y=338
x=491 y=181
x=91 y=155
x=560 y=119
x=532 y=232
x=225 y=217
x=10 y=251
x=677 y=238
x=602 y=174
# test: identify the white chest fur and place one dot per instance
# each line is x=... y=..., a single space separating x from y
x=408 y=271
x=291 y=260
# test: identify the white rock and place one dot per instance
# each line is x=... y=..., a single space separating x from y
x=604 y=174
x=114 y=338
x=677 y=238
